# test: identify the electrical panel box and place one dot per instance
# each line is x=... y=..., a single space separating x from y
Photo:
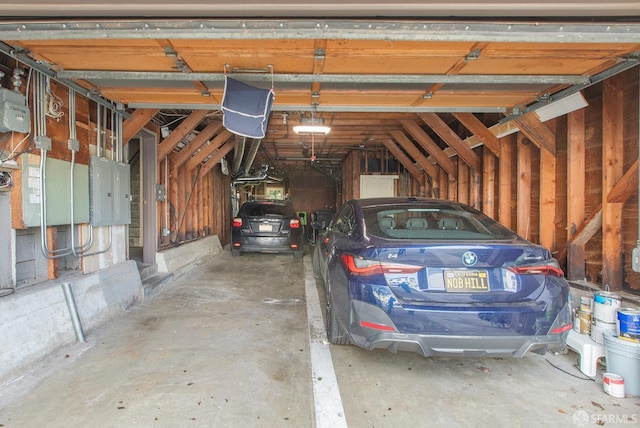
x=14 y=113
x=110 y=195
x=58 y=191
x=122 y=193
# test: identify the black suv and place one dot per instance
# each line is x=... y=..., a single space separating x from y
x=267 y=226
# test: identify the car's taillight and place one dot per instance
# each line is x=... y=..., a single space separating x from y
x=549 y=267
x=237 y=222
x=366 y=267
x=294 y=223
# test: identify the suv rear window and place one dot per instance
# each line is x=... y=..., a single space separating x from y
x=267 y=208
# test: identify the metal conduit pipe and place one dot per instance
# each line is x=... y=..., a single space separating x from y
x=73 y=145
x=73 y=311
x=41 y=131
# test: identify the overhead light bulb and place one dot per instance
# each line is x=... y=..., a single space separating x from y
x=311 y=126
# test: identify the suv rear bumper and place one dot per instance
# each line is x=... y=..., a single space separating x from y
x=265 y=244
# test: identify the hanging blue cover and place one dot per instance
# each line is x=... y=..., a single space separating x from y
x=246 y=108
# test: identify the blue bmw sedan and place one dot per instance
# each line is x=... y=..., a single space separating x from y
x=438 y=278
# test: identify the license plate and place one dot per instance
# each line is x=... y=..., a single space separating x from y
x=265 y=228
x=468 y=281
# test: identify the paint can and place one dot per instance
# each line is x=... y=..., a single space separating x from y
x=586 y=303
x=613 y=385
x=605 y=307
x=584 y=322
x=629 y=324
x=598 y=328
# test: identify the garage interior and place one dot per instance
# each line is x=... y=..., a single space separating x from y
x=530 y=115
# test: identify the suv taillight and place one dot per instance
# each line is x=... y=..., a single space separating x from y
x=237 y=222
x=294 y=223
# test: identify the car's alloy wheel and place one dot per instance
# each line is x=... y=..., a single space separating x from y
x=335 y=333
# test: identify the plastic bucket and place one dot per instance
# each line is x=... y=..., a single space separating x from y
x=623 y=359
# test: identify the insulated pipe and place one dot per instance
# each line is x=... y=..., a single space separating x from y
x=73 y=311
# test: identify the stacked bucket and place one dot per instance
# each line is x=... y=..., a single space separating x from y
x=618 y=329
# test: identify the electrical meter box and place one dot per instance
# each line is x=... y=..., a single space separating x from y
x=14 y=113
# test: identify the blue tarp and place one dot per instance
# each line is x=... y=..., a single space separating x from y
x=246 y=108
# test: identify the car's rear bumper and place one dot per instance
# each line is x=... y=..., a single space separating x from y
x=461 y=346
x=265 y=244
x=371 y=328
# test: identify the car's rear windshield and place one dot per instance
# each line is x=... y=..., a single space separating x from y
x=433 y=221
x=267 y=208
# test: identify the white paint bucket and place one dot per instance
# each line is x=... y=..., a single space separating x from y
x=605 y=307
x=599 y=328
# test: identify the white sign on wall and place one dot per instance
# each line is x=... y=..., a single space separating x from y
x=377 y=186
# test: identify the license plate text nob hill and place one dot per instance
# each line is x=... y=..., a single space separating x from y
x=468 y=281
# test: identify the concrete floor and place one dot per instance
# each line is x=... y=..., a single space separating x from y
x=234 y=343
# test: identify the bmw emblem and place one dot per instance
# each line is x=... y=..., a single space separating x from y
x=469 y=258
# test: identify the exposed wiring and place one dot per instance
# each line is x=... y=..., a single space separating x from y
x=54 y=103
x=6 y=180
x=570 y=374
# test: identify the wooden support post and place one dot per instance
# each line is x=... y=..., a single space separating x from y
x=488 y=182
x=612 y=172
x=523 y=200
x=547 y=218
x=504 y=202
x=575 y=191
x=183 y=186
x=174 y=204
x=463 y=182
x=474 y=189
x=444 y=184
x=200 y=207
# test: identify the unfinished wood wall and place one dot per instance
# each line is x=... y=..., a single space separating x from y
x=575 y=192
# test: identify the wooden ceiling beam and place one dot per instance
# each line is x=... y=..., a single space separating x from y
x=451 y=138
x=138 y=120
x=217 y=156
x=430 y=146
x=403 y=159
x=199 y=157
x=186 y=126
x=536 y=131
x=198 y=141
x=477 y=128
x=415 y=153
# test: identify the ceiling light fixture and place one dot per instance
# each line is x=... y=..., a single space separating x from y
x=310 y=125
x=561 y=107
